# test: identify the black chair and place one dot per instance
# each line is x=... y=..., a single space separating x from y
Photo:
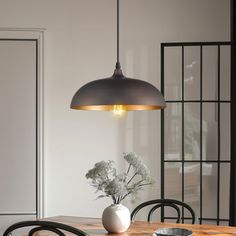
x=158 y=203
x=46 y=226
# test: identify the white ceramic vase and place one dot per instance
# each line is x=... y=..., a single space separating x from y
x=116 y=218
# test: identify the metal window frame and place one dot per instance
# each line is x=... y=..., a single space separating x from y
x=201 y=101
x=233 y=112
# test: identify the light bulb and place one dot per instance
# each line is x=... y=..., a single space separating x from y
x=119 y=110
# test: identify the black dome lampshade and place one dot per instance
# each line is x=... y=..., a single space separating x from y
x=118 y=93
x=104 y=94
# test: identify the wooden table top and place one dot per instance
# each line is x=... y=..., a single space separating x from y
x=93 y=227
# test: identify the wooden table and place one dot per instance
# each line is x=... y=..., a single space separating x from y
x=94 y=227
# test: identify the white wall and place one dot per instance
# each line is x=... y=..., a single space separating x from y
x=80 y=47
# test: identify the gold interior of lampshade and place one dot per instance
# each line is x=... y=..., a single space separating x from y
x=111 y=107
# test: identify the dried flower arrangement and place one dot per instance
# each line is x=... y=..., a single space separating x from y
x=105 y=178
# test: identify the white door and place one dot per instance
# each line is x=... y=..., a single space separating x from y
x=18 y=131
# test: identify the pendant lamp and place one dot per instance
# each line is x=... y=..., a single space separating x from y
x=118 y=93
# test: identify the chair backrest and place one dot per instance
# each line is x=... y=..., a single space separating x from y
x=44 y=225
x=158 y=203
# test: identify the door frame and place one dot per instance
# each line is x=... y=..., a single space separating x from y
x=37 y=35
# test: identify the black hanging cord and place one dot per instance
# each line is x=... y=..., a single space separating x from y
x=118 y=35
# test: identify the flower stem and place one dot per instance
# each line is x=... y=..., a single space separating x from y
x=114 y=199
x=128 y=169
x=131 y=178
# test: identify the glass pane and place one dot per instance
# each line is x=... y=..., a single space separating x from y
x=171 y=212
x=210 y=72
x=173 y=73
x=188 y=221
x=209 y=190
x=209 y=131
x=209 y=222
x=192 y=187
x=173 y=180
x=192 y=131
x=173 y=131
x=225 y=131
x=225 y=223
x=224 y=190
x=192 y=73
x=225 y=62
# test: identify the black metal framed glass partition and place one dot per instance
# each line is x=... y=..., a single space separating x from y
x=195 y=128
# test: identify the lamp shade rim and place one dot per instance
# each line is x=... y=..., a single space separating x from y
x=111 y=107
x=103 y=94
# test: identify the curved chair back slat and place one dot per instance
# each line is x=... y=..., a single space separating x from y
x=44 y=225
x=162 y=203
x=150 y=213
x=44 y=228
